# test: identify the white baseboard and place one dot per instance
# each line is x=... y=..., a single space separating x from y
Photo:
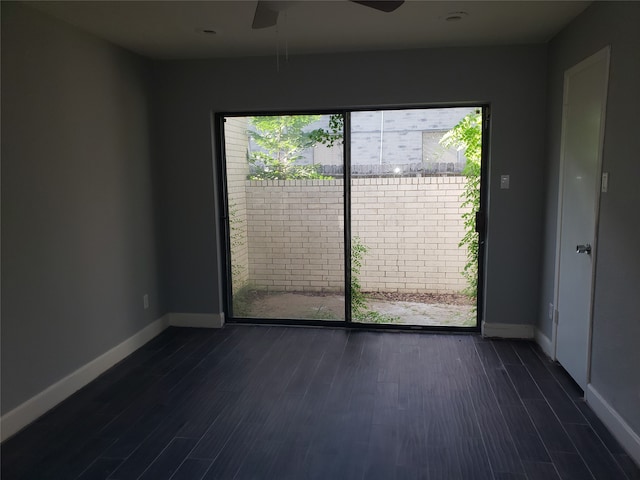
x=620 y=429
x=196 y=320
x=25 y=413
x=507 y=330
x=544 y=342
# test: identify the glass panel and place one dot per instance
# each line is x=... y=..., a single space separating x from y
x=286 y=216
x=409 y=178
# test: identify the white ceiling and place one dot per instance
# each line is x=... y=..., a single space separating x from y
x=173 y=29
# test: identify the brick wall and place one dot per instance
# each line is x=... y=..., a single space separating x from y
x=411 y=226
x=295 y=231
x=236 y=144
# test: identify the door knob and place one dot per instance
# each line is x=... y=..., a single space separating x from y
x=583 y=249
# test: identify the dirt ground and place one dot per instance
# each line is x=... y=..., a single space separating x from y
x=403 y=309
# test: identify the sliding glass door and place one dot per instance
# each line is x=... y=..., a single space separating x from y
x=409 y=177
x=401 y=186
x=285 y=216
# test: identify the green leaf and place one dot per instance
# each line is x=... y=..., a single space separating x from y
x=467 y=136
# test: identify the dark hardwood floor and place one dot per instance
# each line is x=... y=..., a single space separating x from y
x=258 y=402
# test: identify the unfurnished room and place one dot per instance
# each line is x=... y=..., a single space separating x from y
x=320 y=240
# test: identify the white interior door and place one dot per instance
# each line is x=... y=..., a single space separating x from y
x=582 y=135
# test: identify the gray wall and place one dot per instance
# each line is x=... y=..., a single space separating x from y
x=79 y=229
x=78 y=235
x=513 y=79
x=616 y=315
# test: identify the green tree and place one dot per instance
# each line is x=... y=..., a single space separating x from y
x=467 y=136
x=282 y=139
x=334 y=135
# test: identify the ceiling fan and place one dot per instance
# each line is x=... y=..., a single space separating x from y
x=267 y=11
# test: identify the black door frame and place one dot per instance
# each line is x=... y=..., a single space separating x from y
x=481 y=218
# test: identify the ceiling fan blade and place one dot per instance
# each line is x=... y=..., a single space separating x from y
x=265 y=16
x=386 y=6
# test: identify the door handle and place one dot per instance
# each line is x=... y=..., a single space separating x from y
x=583 y=249
x=480 y=222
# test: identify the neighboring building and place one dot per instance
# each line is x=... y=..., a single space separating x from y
x=393 y=142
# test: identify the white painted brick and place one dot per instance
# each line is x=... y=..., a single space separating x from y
x=412 y=236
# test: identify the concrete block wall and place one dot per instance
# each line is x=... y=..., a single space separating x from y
x=411 y=227
x=408 y=137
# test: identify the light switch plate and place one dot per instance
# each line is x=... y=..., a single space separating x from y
x=605 y=182
x=504 y=181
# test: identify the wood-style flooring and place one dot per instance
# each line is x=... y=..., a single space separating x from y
x=260 y=402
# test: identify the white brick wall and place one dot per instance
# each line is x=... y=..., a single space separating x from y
x=412 y=227
x=236 y=143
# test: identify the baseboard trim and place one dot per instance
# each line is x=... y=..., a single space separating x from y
x=620 y=429
x=544 y=342
x=196 y=320
x=25 y=413
x=507 y=330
